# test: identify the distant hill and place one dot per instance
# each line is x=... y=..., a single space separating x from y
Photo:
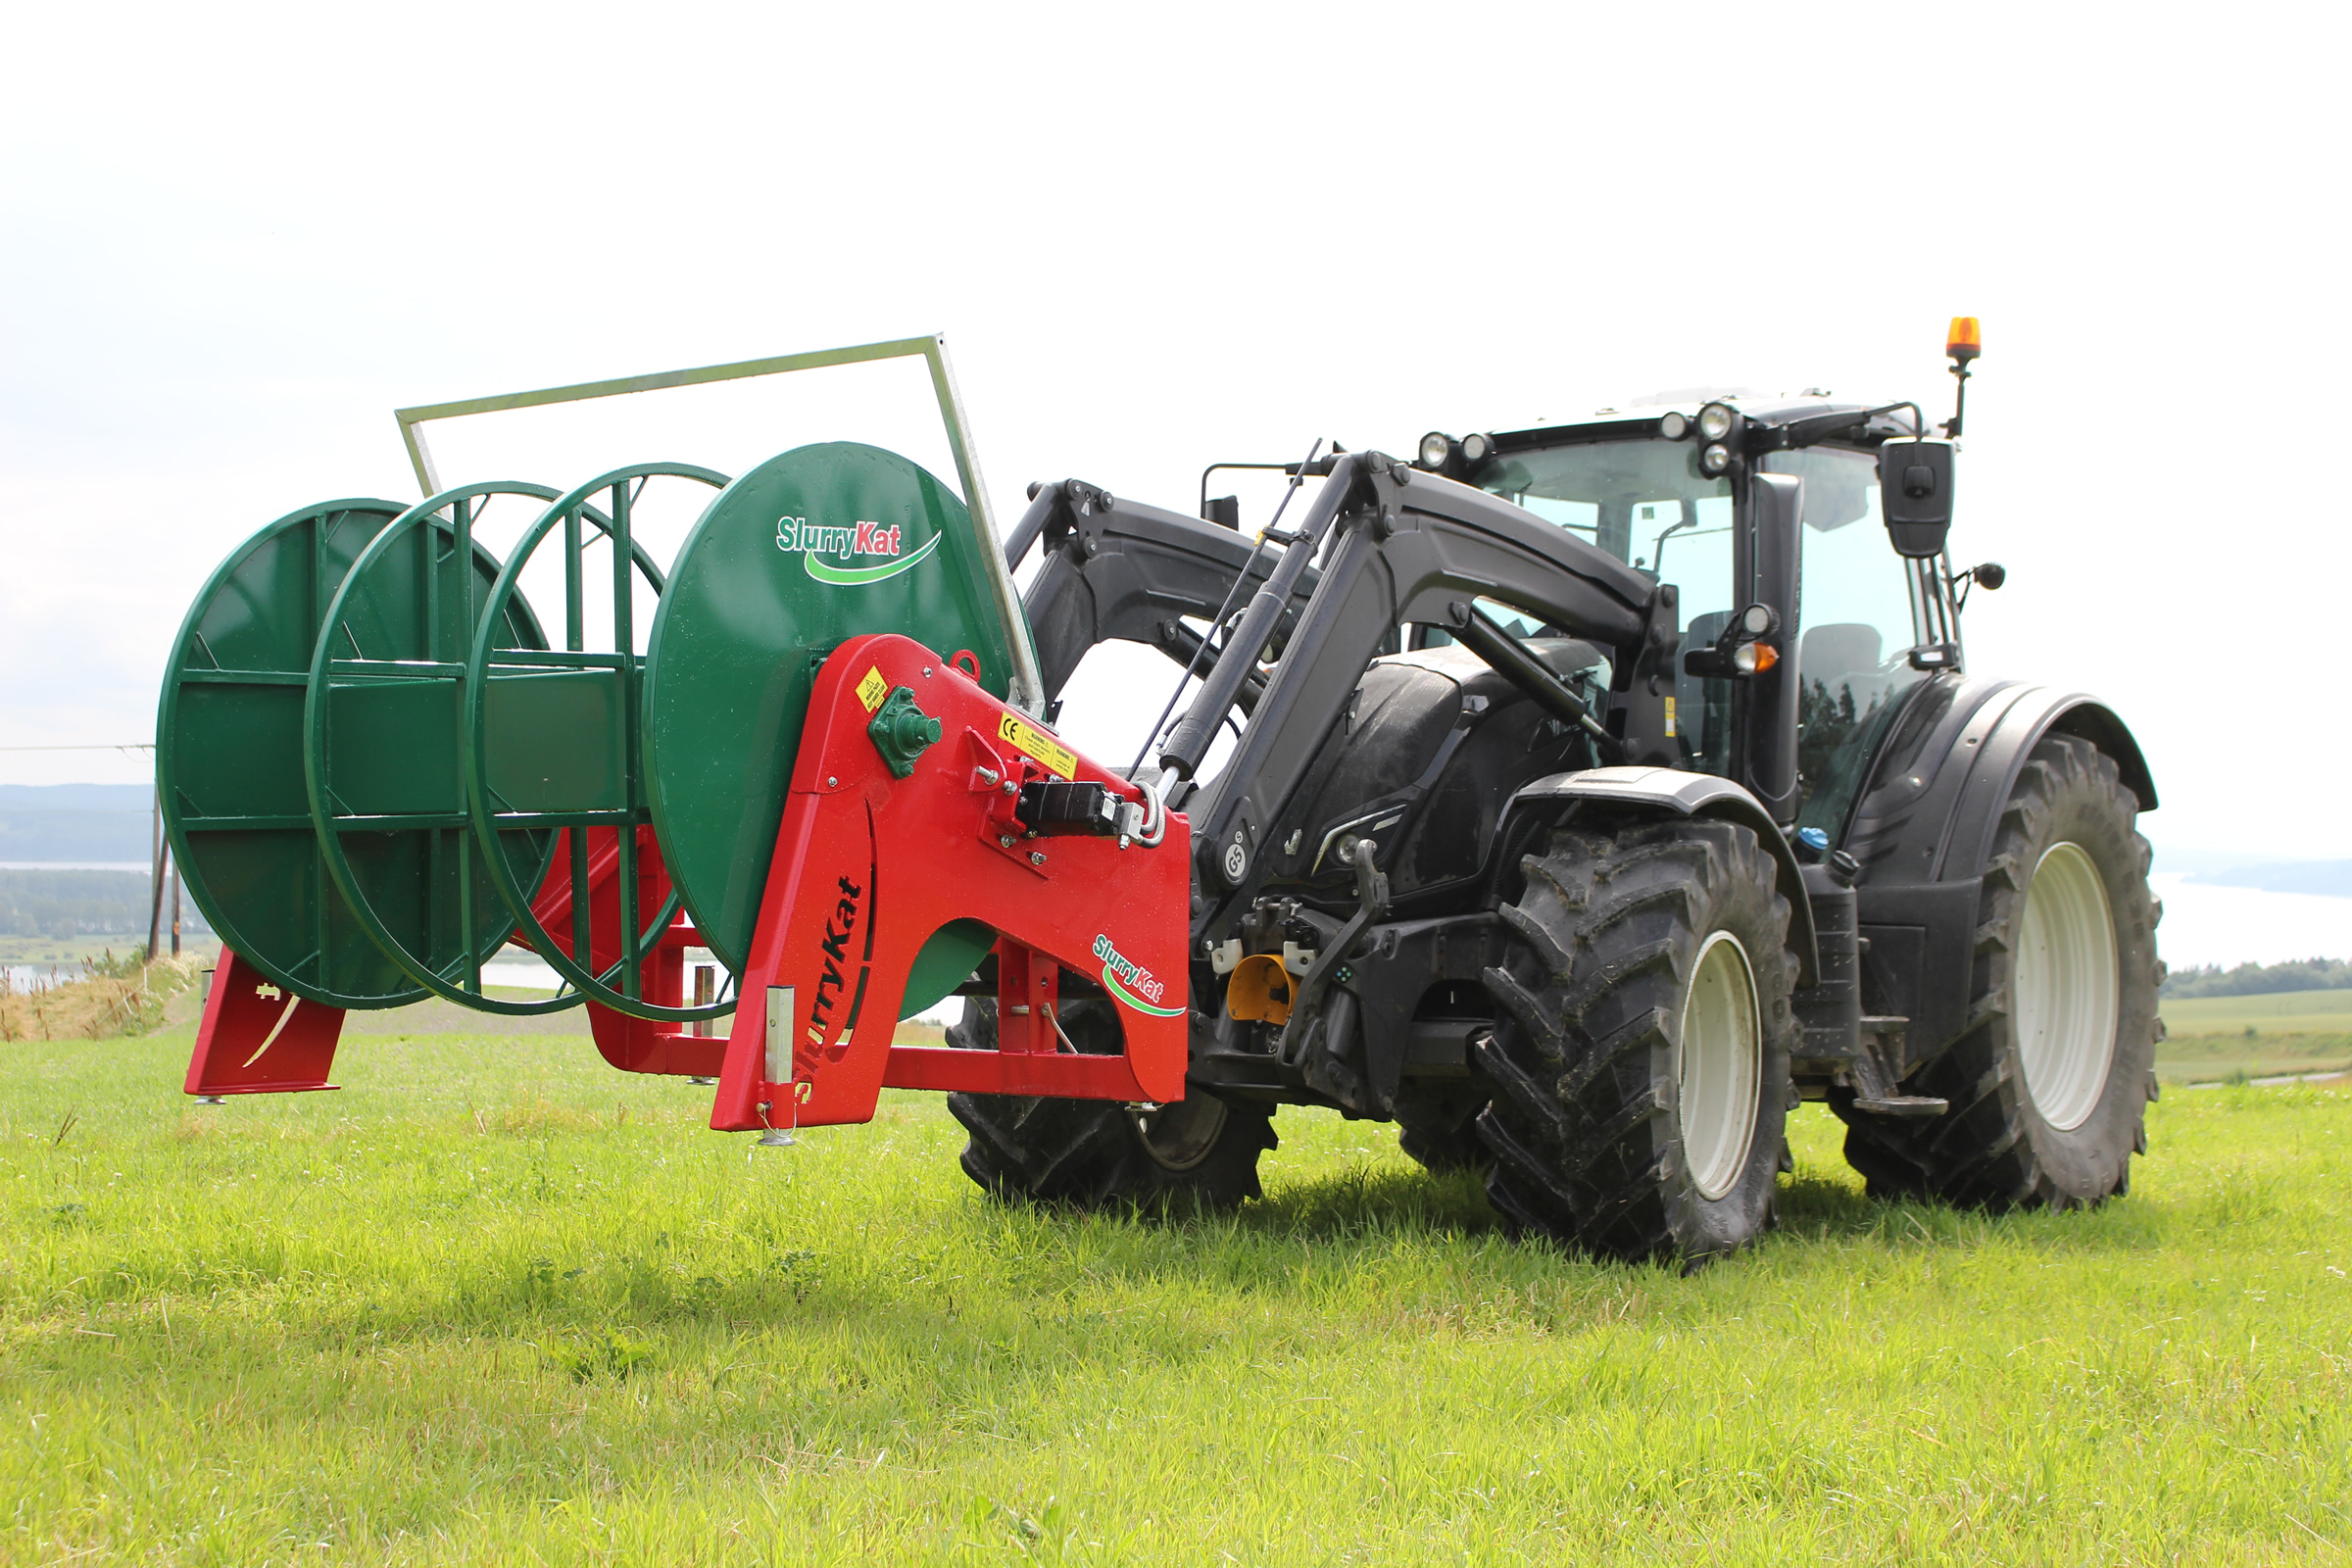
x=2328 y=878
x=71 y=903
x=77 y=822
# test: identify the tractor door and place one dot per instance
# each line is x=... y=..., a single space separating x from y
x=1864 y=609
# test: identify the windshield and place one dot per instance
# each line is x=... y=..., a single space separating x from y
x=1647 y=503
x=1643 y=502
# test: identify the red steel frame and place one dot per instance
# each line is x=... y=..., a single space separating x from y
x=867 y=866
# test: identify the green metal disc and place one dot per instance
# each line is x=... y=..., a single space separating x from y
x=382 y=747
x=228 y=759
x=811 y=547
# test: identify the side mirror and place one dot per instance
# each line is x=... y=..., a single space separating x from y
x=1915 y=495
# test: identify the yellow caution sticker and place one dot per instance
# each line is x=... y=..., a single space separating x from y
x=1669 y=719
x=872 y=689
x=1038 y=744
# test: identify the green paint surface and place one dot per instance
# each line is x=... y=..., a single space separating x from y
x=749 y=610
x=229 y=758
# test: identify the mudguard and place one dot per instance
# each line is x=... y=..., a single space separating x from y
x=1925 y=825
x=1673 y=792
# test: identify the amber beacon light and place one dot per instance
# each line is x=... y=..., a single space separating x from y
x=1963 y=342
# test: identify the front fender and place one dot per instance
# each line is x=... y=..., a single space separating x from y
x=1925 y=827
x=1673 y=792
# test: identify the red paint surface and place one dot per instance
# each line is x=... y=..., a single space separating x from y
x=257 y=1039
x=867 y=866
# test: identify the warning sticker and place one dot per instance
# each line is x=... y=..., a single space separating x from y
x=1669 y=719
x=872 y=689
x=1038 y=744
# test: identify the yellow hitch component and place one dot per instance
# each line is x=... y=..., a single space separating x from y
x=1261 y=987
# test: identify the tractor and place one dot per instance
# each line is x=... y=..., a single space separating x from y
x=1580 y=799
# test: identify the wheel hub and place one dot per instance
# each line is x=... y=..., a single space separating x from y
x=2066 y=987
x=1180 y=1135
x=1718 y=1065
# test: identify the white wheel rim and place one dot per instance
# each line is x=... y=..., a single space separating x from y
x=1181 y=1135
x=2066 y=987
x=1718 y=1065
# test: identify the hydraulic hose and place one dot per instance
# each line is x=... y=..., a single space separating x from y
x=1503 y=654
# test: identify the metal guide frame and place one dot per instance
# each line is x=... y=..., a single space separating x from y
x=1027 y=686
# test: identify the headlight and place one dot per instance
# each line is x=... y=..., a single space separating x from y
x=1714 y=422
x=1716 y=458
x=1477 y=448
x=1435 y=448
x=1673 y=427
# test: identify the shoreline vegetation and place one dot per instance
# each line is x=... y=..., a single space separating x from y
x=107 y=998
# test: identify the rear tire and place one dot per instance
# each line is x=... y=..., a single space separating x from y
x=1202 y=1150
x=1641 y=1067
x=2050 y=1081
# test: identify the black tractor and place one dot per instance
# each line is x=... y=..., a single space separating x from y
x=1592 y=794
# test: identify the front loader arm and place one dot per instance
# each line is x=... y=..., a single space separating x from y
x=1411 y=548
x=1117 y=570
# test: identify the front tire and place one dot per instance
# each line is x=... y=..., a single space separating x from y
x=1641 y=1068
x=2050 y=1082
x=1200 y=1151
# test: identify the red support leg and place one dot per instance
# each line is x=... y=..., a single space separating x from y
x=257 y=1039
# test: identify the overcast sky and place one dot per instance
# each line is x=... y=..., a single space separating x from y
x=236 y=237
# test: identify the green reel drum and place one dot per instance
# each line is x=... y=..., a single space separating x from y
x=369 y=753
x=380 y=747
x=553 y=739
x=814 y=547
x=231 y=744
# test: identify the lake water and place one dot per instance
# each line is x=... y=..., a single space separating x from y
x=2202 y=925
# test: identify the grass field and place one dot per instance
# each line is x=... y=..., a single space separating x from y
x=494 y=1304
x=2281 y=1012
x=2214 y=1038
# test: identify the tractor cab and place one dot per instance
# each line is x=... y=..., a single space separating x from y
x=1697 y=494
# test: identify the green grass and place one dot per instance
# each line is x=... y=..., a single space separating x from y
x=2281 y=1012
x=2216 y=1038
x=494 y=1304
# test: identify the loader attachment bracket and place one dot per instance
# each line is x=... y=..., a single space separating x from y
x=870 y=865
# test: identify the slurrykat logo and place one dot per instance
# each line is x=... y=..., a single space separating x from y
x=1131 y=982
x=837 y=962
x=850 y=555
